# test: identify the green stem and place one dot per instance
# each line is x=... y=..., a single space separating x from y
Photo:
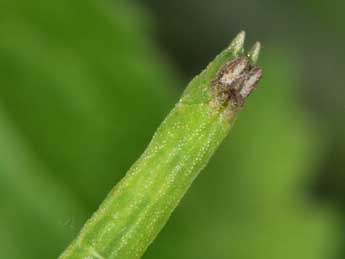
x=140 y=204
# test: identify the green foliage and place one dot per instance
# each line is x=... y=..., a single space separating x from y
x=67 y=109
x=81 y=93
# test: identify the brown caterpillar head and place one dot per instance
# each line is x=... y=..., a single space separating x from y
x=235 y=82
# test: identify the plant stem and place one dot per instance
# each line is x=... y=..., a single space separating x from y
x=138 y=207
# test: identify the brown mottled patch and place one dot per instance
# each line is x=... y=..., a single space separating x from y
x=235 y=81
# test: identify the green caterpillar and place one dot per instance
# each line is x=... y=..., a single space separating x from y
x=138 y=207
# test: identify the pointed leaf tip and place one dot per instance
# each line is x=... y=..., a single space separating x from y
x=237 y=43
x=254 y=52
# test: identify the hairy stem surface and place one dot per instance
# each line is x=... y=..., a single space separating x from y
x=138 y=207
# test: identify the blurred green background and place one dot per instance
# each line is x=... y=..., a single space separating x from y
x=84 y=84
